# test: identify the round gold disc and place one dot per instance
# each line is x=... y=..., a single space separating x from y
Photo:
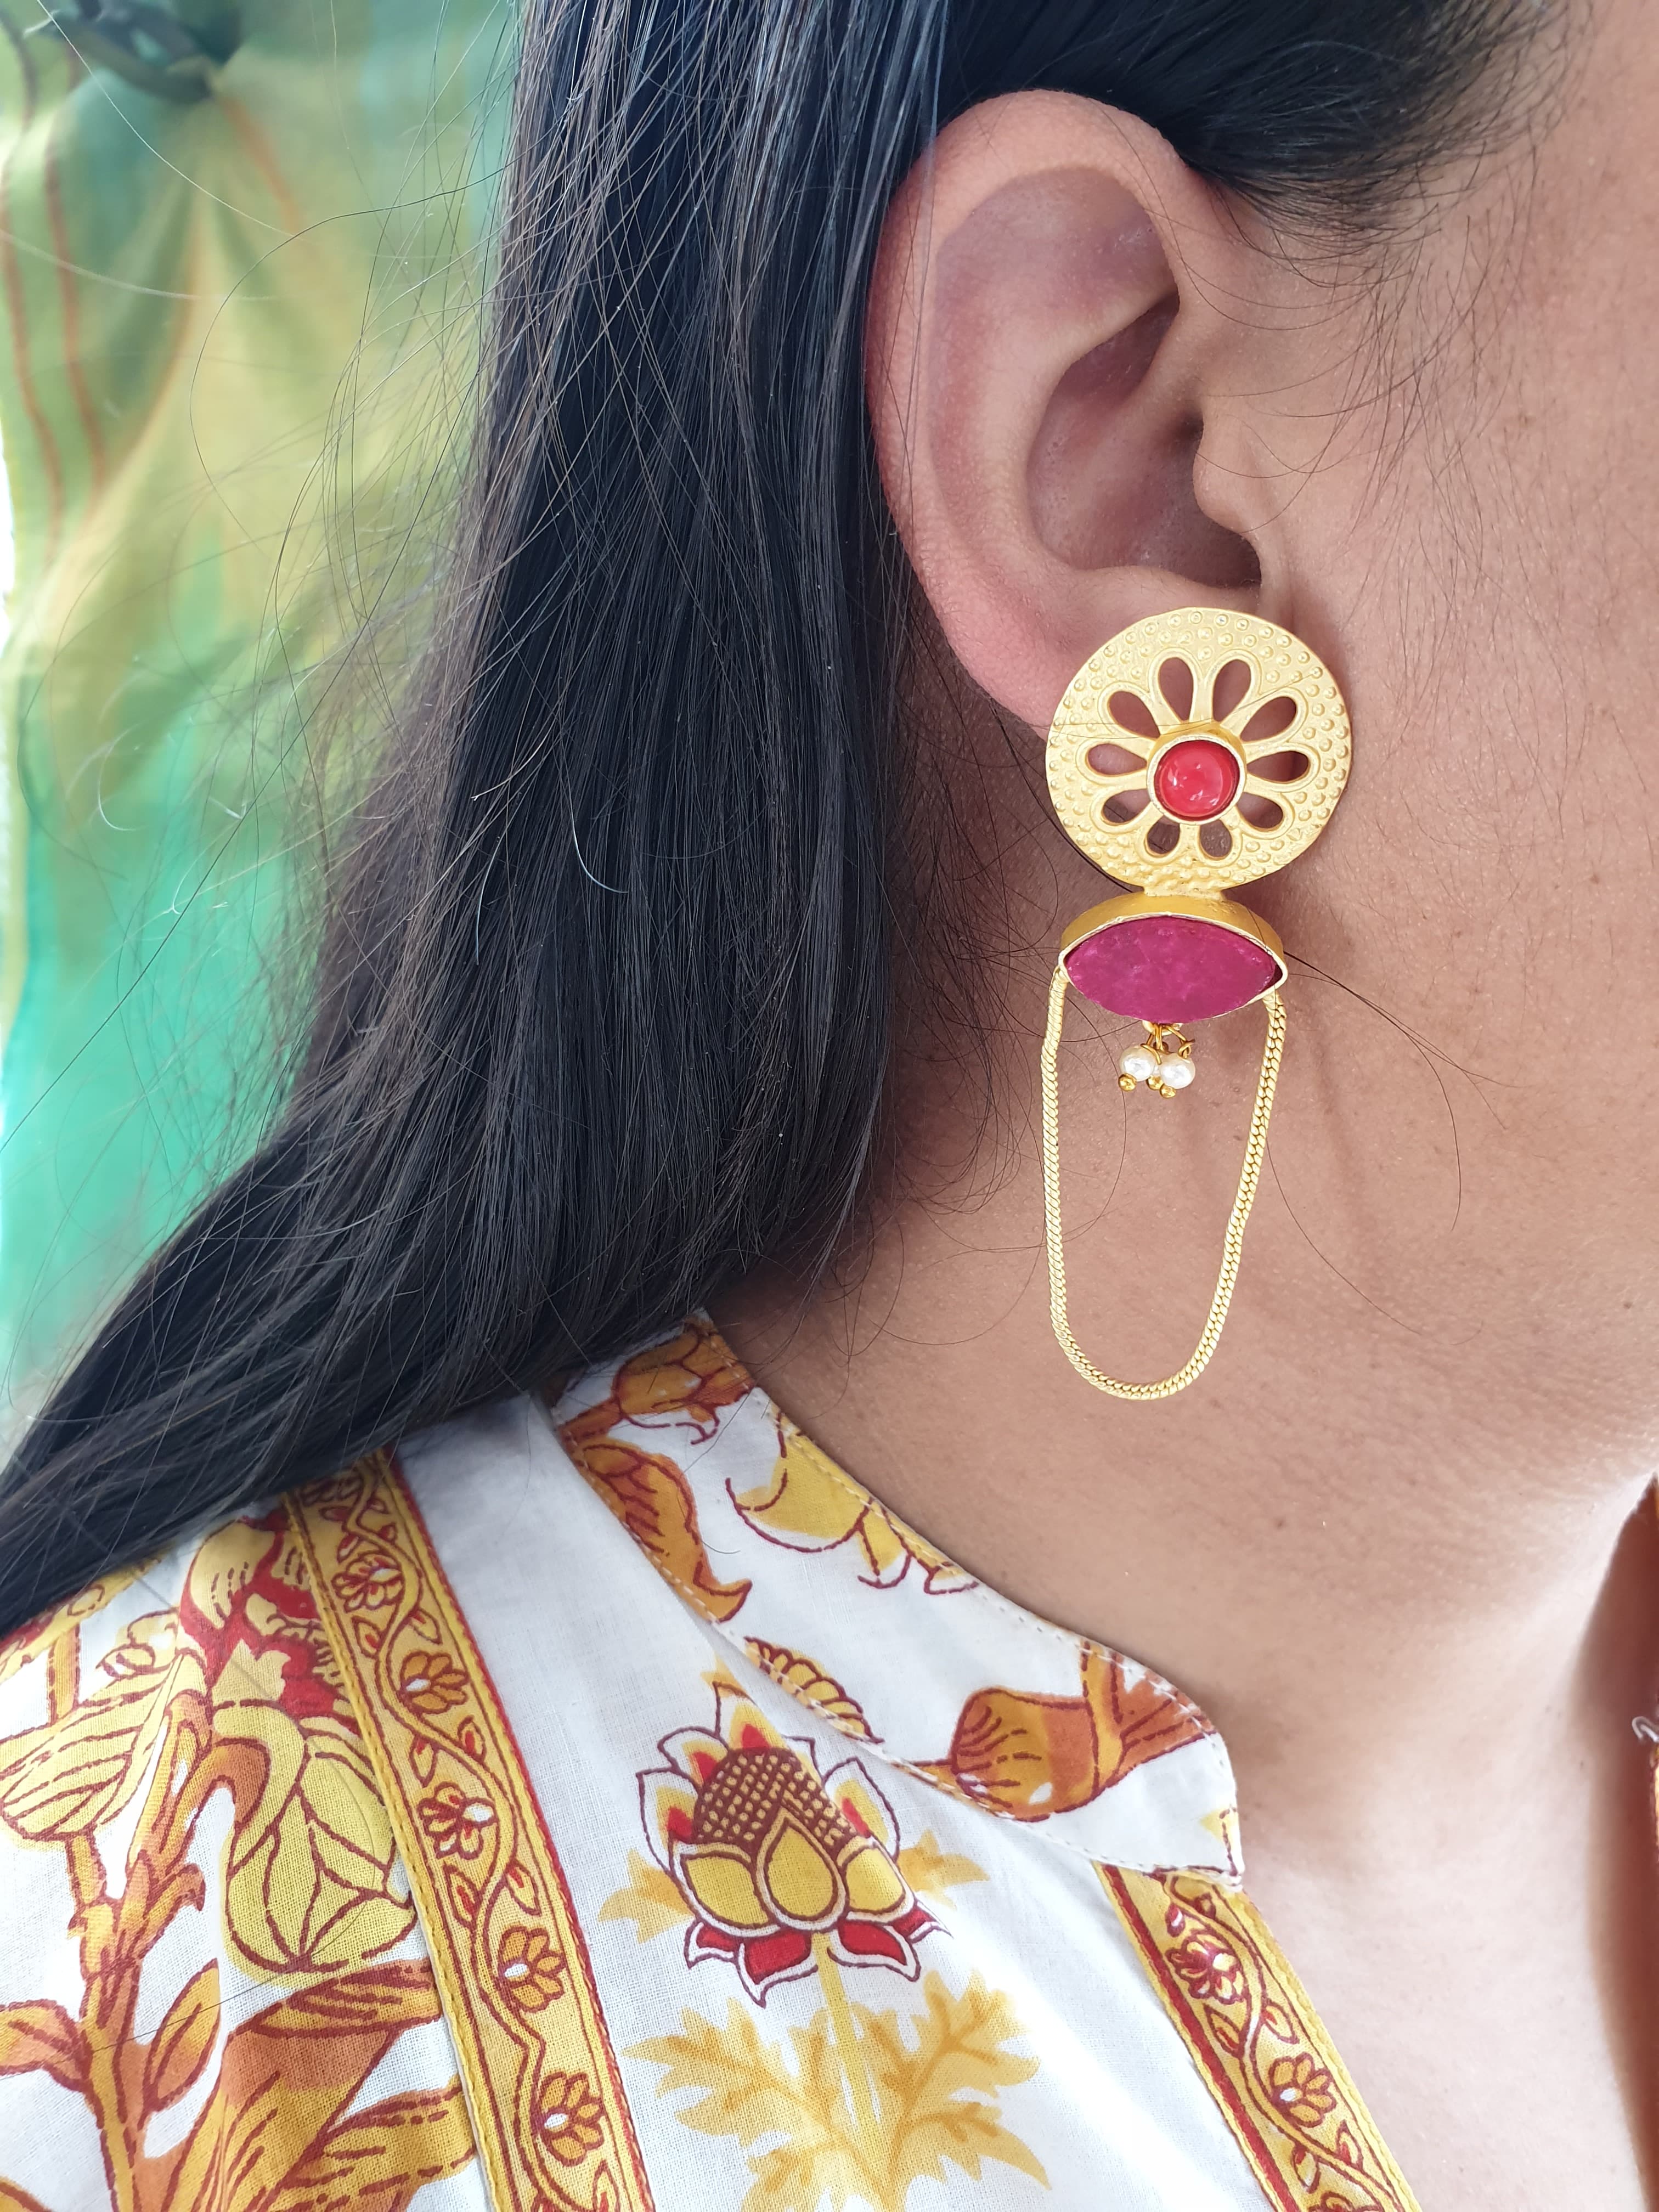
x=1162 y=674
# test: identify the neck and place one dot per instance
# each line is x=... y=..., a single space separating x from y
x=1399 y=1472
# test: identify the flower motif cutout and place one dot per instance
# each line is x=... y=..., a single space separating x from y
x=1197 y=750
x=1201 y=771
x=771 y=1856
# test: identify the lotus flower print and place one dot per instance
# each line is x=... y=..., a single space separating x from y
x=774 y=1857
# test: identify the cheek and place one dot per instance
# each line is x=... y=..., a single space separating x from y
x=1501 y=831
x=1482 y=1090
x=1483 y=904
x=1548 y=532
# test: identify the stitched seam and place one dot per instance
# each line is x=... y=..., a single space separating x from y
x=1229 y=1876
x=1022 y=1616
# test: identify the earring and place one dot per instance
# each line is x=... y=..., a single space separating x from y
x=1209 y=799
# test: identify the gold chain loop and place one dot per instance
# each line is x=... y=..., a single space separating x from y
x=1256 y=1154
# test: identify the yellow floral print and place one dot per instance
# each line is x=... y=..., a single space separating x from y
x=232 y=1694
x=932 y=2098
x=770 y=1855
x=1246 y=2019
x=1030 y=1756
x=529 y=1969
x=789 y=1874
x=805 y=1680
x=689 y=1381
x=809 y=1505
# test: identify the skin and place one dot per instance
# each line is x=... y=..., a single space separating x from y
x=1396 y=1540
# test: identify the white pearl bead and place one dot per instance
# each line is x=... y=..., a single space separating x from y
x=1175 y=1072
x=1140 y=1064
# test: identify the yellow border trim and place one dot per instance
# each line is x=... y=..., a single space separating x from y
x=541 y=2078
x=1261 y=2047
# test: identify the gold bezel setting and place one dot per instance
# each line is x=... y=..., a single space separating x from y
x=1223 y=913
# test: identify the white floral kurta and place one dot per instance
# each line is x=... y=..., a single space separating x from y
x=613 y=1808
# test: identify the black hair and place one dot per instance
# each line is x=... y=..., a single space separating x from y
x=604 y=1004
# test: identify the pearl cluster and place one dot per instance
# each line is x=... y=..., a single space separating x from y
x=1166 y=1072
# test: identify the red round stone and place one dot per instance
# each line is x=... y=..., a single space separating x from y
x=1196 y=780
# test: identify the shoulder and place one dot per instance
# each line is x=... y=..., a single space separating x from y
x=206 y=1933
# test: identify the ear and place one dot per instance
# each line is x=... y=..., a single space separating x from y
x=1042 y=337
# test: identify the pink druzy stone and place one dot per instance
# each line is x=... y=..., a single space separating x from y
x=1170 y=968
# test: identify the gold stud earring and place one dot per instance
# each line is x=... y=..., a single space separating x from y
x=1237 y=742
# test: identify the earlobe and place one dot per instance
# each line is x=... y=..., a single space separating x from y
x=1037 y=344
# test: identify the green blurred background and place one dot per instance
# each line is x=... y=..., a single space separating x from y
x=243 y=252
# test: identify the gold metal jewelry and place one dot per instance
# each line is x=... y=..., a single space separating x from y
x=1206 y=640
x=1193 y=816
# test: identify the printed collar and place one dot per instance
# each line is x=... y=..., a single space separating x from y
x=881 y=1635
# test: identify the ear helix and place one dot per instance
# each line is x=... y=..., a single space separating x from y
x=1238 y=744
